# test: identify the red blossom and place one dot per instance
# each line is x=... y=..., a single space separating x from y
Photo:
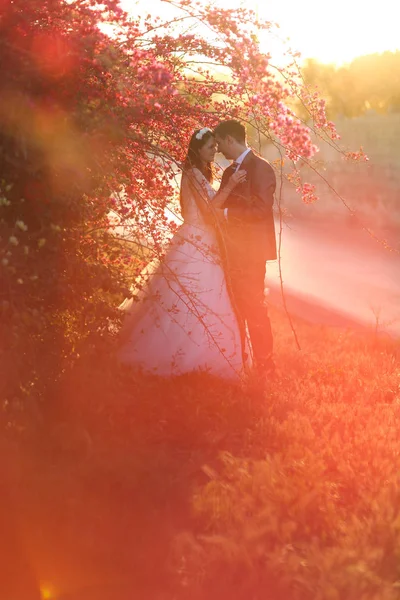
x=96 y=111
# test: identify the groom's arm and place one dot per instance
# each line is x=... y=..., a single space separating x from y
x=258 y=199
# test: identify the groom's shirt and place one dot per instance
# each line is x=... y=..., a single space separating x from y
x=238 y=162
x=240 y=159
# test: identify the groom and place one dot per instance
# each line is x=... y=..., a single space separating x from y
x=250 y=237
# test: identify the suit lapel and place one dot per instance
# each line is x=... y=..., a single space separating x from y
x=228 y=171
x=247 y=159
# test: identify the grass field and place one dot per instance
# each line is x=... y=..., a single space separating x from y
x=194 y=489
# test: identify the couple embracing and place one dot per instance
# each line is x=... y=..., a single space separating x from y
x=203 y=308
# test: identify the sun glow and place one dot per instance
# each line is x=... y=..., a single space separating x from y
x=331 y=32
x=335 y=32
x=46 y=592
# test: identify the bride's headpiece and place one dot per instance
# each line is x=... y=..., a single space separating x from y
x=199 y=134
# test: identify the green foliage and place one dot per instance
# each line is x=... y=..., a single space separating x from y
x=370 y=82
x=315 y=515
x=231 y=492
x=62 y=130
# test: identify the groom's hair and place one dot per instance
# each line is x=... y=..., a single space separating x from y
x=233 y=128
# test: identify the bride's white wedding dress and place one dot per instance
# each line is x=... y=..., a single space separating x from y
x=183 y=320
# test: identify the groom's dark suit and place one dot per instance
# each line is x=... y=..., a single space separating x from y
x=249 y=242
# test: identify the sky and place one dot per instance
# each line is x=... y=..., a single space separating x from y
x=332 y=32
x=336 y=31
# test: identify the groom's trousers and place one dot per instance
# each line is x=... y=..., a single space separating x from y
x=246 y=281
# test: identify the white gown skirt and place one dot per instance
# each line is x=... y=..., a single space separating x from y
x=182 y=319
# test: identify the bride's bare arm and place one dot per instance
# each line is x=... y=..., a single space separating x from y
x=220 y=197
x=194 y=184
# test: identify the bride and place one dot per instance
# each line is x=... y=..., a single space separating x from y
x=182 y=320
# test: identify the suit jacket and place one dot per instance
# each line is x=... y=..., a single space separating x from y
x=250 y=228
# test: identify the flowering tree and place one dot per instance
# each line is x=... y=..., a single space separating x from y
x=96 y=110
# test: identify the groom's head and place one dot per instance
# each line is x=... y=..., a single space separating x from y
x=231 y=138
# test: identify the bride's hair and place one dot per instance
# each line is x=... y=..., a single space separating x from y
x=193 y=160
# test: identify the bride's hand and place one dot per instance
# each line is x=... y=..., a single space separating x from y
x=221 y=196
x=236 y=178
